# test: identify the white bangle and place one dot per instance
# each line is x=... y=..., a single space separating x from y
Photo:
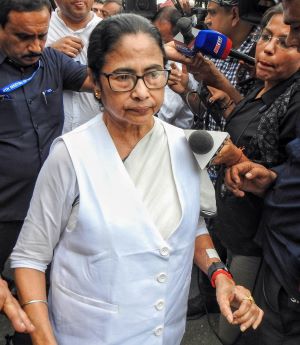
x=34 y=301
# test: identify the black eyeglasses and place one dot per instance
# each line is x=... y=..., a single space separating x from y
x=281 y=41
x=121 y=82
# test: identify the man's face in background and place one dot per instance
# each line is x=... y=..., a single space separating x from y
x=292 y=17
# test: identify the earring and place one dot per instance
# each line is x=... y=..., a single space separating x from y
x=97 y=93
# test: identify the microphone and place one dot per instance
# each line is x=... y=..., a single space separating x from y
x=201 y=142
x=205 y=144
x=217 y=45
x=185 y=27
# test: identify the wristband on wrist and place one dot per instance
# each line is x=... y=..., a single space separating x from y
x=215 y=269
x=216 y=273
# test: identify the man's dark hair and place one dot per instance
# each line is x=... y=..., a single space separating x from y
x=6 y=6
x=226 y=4
x=168 y=13
x=109 y=32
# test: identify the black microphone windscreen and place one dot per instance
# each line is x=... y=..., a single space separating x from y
x=201 y=142
x=185 y=27
x=184 y=24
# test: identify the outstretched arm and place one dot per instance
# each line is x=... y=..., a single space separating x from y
x=203 y=70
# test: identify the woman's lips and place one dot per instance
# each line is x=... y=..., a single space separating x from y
x=141 y=111
x=265 y=64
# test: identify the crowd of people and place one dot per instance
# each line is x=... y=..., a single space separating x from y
x=100 y=191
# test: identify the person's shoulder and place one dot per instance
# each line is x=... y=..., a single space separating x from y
x=59 y=151
x=58 y=61
x=169 y=127
x=297 y=79
x=95 y=20
x=295 y=87
x=53 y=55
x=80 y=133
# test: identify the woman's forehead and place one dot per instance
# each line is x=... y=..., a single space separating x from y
x=276 y=23
x=139 y=39
x=135 y=46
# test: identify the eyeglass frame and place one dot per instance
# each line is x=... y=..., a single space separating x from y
x=279 y=40
x=108 y=75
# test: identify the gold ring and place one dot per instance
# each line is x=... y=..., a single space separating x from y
x=250 y=299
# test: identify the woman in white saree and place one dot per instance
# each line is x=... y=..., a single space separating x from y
x=116 y=209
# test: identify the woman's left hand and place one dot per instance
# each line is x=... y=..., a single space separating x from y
x=229 y=295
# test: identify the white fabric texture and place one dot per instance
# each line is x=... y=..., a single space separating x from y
x=79 y=107
x=158 y=192
x=53 y=208
x=175 y=111
x=114 y=270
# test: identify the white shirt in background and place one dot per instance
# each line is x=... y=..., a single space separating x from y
x=79 y=107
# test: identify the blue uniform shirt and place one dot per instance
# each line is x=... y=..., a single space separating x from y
x=30 y=118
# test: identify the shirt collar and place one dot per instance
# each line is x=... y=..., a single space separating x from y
x=276 y=91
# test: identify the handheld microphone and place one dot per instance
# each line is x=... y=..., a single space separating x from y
x=185 y=27
x=205 y=144
x=219 y=46
x=201 y=142
x=215 y=44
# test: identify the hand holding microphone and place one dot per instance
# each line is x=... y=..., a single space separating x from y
x=214 y=44
x=215 y=148
x=206 y=145
x=229 y=155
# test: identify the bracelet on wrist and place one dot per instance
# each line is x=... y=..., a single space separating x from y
x=34 y=301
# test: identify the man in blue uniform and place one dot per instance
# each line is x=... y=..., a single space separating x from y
x=31 y=83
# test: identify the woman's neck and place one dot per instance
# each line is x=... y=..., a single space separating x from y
x=126 y=136
x=267 y=86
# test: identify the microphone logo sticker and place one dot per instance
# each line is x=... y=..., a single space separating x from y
x=218 y=45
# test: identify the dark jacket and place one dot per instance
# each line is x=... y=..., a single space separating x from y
x=263 y=127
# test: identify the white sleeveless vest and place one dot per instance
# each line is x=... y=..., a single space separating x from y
x=115 y=280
